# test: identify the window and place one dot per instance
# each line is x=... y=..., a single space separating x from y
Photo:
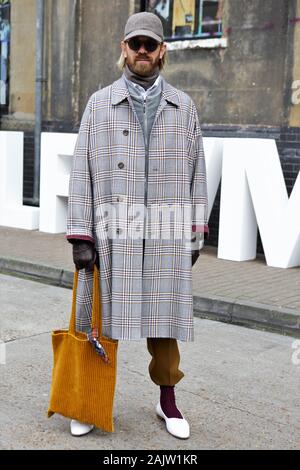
x=4 y=53
x=188 y=19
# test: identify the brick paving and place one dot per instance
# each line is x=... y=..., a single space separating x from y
x=250 y=281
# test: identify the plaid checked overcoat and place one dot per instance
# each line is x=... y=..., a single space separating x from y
x=146 y=283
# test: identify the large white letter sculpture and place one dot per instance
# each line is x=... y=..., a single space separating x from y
x=254 y=193
x=213 y=151
x=12 y=211
x=56 y=162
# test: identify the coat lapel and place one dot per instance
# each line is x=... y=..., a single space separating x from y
x=169 y=93
x=119 y=91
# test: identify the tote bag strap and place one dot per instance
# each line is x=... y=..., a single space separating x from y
x=96 y=315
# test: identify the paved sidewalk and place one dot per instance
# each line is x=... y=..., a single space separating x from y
x=240 y=389
x=248 y=293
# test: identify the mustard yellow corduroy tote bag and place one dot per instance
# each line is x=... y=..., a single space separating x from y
x=84 y=368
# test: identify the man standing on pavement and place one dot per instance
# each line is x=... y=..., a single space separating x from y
x=140 y=145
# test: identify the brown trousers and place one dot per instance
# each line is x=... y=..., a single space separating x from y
x=163 y=368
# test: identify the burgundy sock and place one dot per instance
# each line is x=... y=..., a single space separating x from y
x=168 y=403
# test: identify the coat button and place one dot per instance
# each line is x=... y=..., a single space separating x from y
x=125 y=132
x=118 y=230
x=119 y=199
x=121 y=165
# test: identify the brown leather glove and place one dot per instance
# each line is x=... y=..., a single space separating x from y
x=84 y=254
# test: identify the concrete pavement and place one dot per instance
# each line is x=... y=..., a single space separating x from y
x=240 y=390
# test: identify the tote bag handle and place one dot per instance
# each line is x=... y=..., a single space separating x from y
x=96 y=316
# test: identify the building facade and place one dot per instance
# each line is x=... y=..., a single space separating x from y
x=238 y=60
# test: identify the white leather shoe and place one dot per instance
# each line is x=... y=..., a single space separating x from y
x=178 y=427
x=79 y=429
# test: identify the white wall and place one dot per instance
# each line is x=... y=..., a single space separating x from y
x=12 y=211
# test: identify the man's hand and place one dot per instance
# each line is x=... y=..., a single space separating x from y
x=84 y=254
x=195 y=256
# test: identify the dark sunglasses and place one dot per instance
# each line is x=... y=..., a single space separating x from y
x=149 y=44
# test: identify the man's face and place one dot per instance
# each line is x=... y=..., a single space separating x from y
x=142 y=61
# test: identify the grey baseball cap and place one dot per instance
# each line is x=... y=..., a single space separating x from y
x=144 y=24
